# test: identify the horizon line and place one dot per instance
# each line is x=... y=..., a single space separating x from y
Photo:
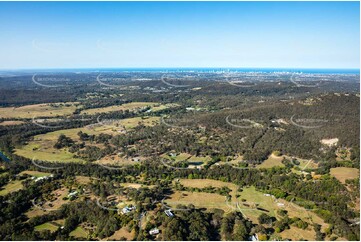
x=181 y=67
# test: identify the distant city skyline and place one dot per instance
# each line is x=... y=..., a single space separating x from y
x=46 y=35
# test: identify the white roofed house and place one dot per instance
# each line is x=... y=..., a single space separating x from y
x=154 y=231
x=169 y=213
x=127 y=209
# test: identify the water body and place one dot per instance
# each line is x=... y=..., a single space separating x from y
x=4 y=157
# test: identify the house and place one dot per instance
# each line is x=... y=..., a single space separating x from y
x=254 y=237
x=154 y=231
x=127 y=209
x=169 y=213
x=41 y=178
x=136 y=159
x=72 y=194
x=172 y=154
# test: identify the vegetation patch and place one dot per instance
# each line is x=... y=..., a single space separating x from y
x=133 y=106
x=10 y=187
x=272 y=161
x=39 y=110
x=198 y=199
x=79 y=232
x=47 y=226
x=344 y=173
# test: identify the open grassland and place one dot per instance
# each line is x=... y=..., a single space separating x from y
x=10 y=122
x=160 y=107
x=82 y=179
x=45 y=151
x=46 y=226
x=255 y=199
x=198 y=199
x=272 y=161
x=178 y=157
x=79 y=232
x=11 y=186
x=35 y=173
x=198 y=160
x=297 y=234
x=116 y=160
x=130 y=123
x=344 y=173
x=42 y=146
x=39 y=110
x=193 y=161
x=49 y=206
x=202 y=183
x=127 y=106
x=122 y=233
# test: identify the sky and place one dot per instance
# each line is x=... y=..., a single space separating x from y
x=179 y=34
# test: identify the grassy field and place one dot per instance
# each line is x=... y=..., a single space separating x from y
x=45 y=151
x=202 y=183
x=198 y=199
x=193 y=161
x=295 y=233
x=79 y=232
x=11 y=187
x=49 y=206
x=271 y=162
x=39 y=110
x=343 y=173
x=11 y=122
x=258 y=199
x=35 y=173
x=130 y=123
x=202 y=199
x=42 y=146
x=164 y=106
x=123 y=232
x=82 y=179
x=46 y=226
x=123 y=107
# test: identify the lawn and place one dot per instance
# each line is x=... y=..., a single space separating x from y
x=344 y=173
x=39 y=110
x=12 y=186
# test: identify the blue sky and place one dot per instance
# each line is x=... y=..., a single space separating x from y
x=179 y=34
